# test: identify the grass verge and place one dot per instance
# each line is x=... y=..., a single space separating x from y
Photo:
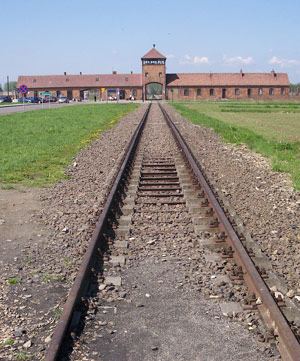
x=36 y=146
x=285 y=156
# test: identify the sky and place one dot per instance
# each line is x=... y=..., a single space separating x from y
x=96 y=37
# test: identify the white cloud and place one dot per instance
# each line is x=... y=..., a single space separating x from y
x=195 y=60
x=171 y=56
x=283 y=62
x=238 y=60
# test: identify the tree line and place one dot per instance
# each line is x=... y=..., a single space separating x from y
x=12 y=86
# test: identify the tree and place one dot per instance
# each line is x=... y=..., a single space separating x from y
x=1 y=90
x=12 y=86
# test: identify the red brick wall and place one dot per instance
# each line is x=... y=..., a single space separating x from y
x=178 y=94
x=153 y=71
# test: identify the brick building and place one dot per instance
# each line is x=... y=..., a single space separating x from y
x=154 y=83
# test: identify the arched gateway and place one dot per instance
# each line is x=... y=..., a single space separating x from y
x=154 y=91
x=154 y=75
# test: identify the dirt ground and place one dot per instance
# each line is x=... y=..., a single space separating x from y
x=18 y=230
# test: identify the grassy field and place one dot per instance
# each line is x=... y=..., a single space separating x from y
x=36 y=146
x=272 y=129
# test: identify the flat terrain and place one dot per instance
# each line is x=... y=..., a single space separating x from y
x=36 y=146
x=274 y=121
x=271 y=129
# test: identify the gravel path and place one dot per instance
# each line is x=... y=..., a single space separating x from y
x=265 y=200
x=46 y=266
x=155 y=299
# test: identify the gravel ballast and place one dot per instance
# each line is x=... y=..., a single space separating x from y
x=263 y=199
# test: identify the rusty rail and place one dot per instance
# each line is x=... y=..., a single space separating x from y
x=80 y=284
x=288 y=345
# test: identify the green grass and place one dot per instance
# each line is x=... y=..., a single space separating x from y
x=22 y=356
x=7 y=342
x=9 y=104
x=13 y=281
x=36 y=146
x=284 y=154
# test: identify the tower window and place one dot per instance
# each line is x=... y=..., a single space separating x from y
x=146 y=75
x=160 y=75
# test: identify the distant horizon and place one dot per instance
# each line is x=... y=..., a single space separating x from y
x=196 y=37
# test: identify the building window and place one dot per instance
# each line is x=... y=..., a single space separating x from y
x=146 y=75
x=211 y=91
x=126 y=79
x=249 y=92
x=260 y=91
x=67 y=79
x=34 y=80
x=186 y=92
x=282 y=91
x=58 y=93
x=70 y=94
x=160 y=75
x=35 y=93
x=134 y=92
x=236 y=92
x=271 y=91
x=97 y=79
x=198 y=92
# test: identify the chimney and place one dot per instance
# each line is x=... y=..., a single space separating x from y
x=241 y=73
x=80 y=73
x=131 y=72
x=114 y=72
x=273 y=73
x=65 y=73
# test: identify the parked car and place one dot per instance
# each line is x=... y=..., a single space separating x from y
x=50 y=99
x=112 y=98
x=63 y=100
x=25 y=100
x=35 y=99
x=5 y=99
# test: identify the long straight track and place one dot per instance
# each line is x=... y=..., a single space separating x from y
x=146 y=274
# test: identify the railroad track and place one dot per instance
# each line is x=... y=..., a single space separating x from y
x=162 y=195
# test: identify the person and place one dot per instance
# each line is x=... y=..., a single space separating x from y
x=95 y=98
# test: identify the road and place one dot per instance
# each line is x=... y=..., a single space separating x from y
x=28 y=107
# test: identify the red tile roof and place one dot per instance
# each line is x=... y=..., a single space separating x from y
x=153 y=54
x=228 y=79
x=80 y=81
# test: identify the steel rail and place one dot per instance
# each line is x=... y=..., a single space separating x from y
x=288 y=345
x=80 y=284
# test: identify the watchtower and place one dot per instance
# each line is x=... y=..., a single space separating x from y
x=154 y=75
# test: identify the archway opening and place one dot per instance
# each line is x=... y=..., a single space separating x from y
x=154 y=91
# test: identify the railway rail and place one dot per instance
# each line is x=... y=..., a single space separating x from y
x=168 y=189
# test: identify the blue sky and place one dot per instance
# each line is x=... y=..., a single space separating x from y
x=95 y=36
